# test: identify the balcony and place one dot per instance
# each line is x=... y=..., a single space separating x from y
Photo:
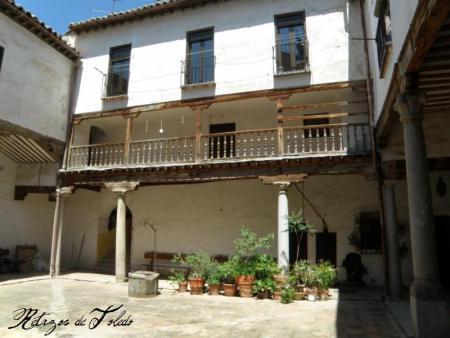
x=198 y=69
x=291 y=58
x=263 y=144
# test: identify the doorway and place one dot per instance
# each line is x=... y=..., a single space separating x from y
x=300 y=244
x=442 y=226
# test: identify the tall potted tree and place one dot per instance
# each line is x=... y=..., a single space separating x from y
x=247 y=248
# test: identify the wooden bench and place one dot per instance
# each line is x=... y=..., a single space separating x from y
x=164 y=265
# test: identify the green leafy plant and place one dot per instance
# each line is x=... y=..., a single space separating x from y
x=213 y=273
x=263 y=285
x=199 y=264
x=326 y=275
x=287 y=295
x=264 y=267
x=229 y=270
x=299 y=226
x=301 y=273
x=248 y=247
x=177 y=277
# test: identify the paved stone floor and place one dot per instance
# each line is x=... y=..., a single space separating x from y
x=181 y=315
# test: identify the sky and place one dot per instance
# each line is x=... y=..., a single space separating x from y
x=58 y=14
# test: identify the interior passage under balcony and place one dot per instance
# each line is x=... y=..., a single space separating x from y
x=253 y=129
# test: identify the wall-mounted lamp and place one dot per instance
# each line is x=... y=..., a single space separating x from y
x=441 y=187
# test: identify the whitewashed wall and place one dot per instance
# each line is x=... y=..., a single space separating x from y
x=23 y=222
x=402 y=12
x=34 y=82
x=244 y=39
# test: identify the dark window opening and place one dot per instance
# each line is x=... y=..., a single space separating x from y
x=222 y=146
x=383 y=38
x=200 y=60
x=319 y=131
x=119 y=71
x=370 y=232
x=291 y=48
x=1 y=56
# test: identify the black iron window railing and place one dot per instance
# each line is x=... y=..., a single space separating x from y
x=119 y=71
x=383 y=38
x=291 y=56
x=291 y=49
x=198 y=68
x=117 y=81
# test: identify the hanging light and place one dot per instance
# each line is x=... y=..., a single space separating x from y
x=161 y=130
x=441 y=187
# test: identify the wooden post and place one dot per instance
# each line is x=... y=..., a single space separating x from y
x=198 y=134
x=128 y=139
x=280 y=121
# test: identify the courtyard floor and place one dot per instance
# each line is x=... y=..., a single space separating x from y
x=73 y=296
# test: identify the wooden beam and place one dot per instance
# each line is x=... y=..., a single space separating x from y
x=319 y=116
x=323 y=105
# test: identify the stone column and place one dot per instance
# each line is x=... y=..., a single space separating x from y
x=63 y=193
x=392 y=243
x=121 y=188
x=428 y=308
x=283 y=228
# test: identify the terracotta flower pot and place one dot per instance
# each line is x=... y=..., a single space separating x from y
x=276 y=296
x=245 y=279
x=246 y=289
x=214 y=290
x=182 y=286
x=324 y=294
x=197 y=285
x=280 y=280
x=229 y=290
x=299 y=295
x=263 y=294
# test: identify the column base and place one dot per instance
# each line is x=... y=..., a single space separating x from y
x=121 y=279
x=429 y=313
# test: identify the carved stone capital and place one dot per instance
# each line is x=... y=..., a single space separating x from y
x=121 y=187
x=65 y=191
x=282 y=186
x=409 y=107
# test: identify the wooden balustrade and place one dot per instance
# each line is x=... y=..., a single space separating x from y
x=97 y=155
x=304 y=141
x=168 y=150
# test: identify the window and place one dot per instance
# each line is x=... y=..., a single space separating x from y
x=312 y=132
x=200 y=61
x=291 y=44
x=222 y=146
x=383 y=37
x=119 y=71
x=370 y=232
x=1 y=56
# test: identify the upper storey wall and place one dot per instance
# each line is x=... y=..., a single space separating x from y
x=402 y=13
x=34 y=82
x=244 y=37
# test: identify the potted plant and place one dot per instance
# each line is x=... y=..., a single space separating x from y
x=247 y=248
x=326 y=276
x=299 y=226
x=354 y=268
x=287 y=295
x=228 y=272
x=263 y=288
x=310 y=280
x=298 y=277
x=199 y=264
x=178 y=278
x=213 y=278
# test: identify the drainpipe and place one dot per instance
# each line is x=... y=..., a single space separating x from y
x=376 y=158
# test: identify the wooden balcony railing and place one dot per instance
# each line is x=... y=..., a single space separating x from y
x=304 y=141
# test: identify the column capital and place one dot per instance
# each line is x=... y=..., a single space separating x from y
x=121 y=187
x=65 y=191
x=282 y=186
x=409 y=107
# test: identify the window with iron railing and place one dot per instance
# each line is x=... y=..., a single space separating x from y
x=291 y=49
x=200 y=60
x=119 y=71
x=383 y=38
